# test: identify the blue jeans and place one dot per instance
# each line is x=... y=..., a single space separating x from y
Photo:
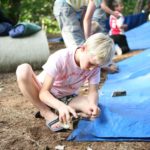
x=70 y=22
x=100 y=17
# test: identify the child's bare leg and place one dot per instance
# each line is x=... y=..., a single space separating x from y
x=30 y=88
x=81 y=104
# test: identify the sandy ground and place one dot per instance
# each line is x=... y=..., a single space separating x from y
x=20 y=130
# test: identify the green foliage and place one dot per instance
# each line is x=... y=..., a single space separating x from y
x=50 y=25
x=129 y=6
x=37 y=11
x=41 y=12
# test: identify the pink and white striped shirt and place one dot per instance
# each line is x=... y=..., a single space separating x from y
x=115 y=24
x=68 y=76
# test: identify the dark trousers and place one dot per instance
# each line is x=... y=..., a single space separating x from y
x=122 y=42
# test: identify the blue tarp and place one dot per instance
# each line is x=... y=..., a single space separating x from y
x=135 y=20
x=139 y=37
x=123 y=118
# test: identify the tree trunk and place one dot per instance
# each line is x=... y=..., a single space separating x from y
x=139 y=6
x=14 y=6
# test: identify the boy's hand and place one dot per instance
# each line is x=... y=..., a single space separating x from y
x=94 y=111
x=64 y=114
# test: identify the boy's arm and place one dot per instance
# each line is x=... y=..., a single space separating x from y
x=93 y=100
x=93 y=94
x=46 y=96
x=50 y=100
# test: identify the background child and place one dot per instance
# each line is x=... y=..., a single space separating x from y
x=75 y=17
x=117 y=27
x=56 y=87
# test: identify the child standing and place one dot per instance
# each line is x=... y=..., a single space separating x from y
x=75 y=18
x=117 y=27
x=56 y=87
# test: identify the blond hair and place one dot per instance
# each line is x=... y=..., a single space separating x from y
x=102 y=46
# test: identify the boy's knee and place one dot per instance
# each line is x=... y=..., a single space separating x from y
x=23 y=72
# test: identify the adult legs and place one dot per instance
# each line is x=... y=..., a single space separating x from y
x=99 y=21
x=69 y=24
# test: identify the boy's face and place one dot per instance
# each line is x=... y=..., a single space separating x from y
x=89 y=62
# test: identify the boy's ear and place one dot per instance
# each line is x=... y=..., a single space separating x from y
x=84 y=47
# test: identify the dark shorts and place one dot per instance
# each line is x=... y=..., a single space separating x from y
x=67 y=99
x=122 y=42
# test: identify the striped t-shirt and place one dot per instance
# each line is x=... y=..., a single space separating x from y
x=77 y=4
x=116 y=24
x=69 y=77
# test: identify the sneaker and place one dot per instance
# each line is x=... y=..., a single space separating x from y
x=118 y=50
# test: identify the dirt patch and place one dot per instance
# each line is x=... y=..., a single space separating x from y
x=20 y=130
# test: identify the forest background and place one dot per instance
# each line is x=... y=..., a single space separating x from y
x=19 y=130
x=41 y=11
